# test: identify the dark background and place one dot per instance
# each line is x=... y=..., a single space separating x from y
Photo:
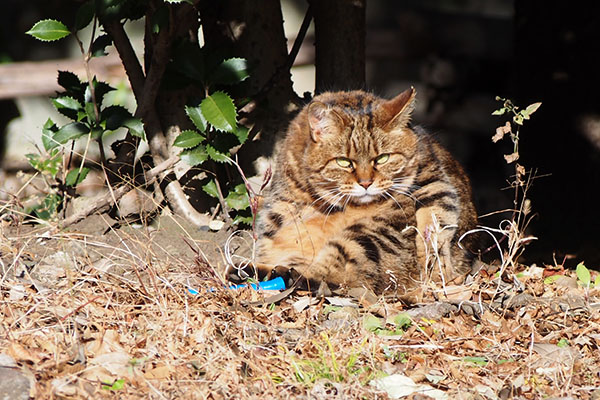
x=460 y=54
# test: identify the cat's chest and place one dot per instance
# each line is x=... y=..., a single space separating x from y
x=303 y=225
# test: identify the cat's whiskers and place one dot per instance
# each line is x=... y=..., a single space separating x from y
x=389 y=195
x=400 y=190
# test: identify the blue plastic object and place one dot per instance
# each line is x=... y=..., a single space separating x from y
x=273 y=284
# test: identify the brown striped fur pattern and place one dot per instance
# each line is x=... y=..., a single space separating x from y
x=359 y=198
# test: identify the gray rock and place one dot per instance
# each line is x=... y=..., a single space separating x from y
x=14 y=385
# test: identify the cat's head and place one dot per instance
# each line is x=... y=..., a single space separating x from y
x=361 y=147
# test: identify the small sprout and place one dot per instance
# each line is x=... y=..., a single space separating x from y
x=583 y=274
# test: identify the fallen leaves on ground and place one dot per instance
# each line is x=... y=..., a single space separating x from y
x=91 y=324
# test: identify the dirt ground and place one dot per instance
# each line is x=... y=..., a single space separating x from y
x=89 y=314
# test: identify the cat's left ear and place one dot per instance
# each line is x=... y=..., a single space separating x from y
x=322 y=119
x=398 y=110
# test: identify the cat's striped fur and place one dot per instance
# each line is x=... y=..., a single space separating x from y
x=357 y=195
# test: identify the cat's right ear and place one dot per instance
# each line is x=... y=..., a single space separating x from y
x=321 y=120
x=397 y=111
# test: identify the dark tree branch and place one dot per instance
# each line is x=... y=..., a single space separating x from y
x=132 y=65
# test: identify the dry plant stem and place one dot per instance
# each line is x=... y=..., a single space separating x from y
x=115 y=195
x=222 y=202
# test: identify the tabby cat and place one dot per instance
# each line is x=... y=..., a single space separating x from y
x=359 y=198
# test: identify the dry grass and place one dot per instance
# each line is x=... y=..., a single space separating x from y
x=89 y=317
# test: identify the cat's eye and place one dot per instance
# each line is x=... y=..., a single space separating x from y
x=343 y=162
x=382 y=159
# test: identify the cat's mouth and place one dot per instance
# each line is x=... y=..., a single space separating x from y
x=365 y=195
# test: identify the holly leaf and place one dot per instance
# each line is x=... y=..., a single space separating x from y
x=67 y=106
x=100 y=44
x=229 y=72
x=219 y=111
x=48 y=131
x=238 y=198
x=75 y=177
x=211 y=189
x=71 y=83
x=216 y=155
x=100 y=89
x=195 y=156
x=195 y=115
x=48 y=30
x=240 y=219
x=71 y=131
x=84 y=15
x=242 y=133
x=118 y=117
x=188 y=139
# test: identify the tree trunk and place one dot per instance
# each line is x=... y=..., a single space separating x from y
x=340 y=44
x=253 y=29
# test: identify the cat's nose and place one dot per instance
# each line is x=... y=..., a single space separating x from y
x=365 y=184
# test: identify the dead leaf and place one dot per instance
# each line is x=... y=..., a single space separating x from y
x=20 y=353
x=501 y=131
x=510 y=158
x=161 y=372
x=398 y=386
x=456 y=293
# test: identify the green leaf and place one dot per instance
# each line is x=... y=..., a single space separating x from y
x=84 y=15
x=136 y=127
x=518 y=119
x=71 y=131
x=49 y=30
x=219 y=111
x=49 y=207
x=530 y=109
x=211 y=189
x=100 y=44
x=216 y=155
x=402 y=320
x=72 y=84
x=229 y=72
x=195 y=156
x=74 y=177
x=66 y=102
x=195 y=114
x=583 y=274
x=188 y=139
x=480 y=361
x=238 y=198
x=118 y=117
x=242 y=133
x=563 y=343
x=371 y=323
x=67 y=106
x=90 y=113
x=100 y=89
x=597 y=281
x=116 y=385
x=240 y=219
x=48 y=131
x=551 y=279
x=500 y=111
